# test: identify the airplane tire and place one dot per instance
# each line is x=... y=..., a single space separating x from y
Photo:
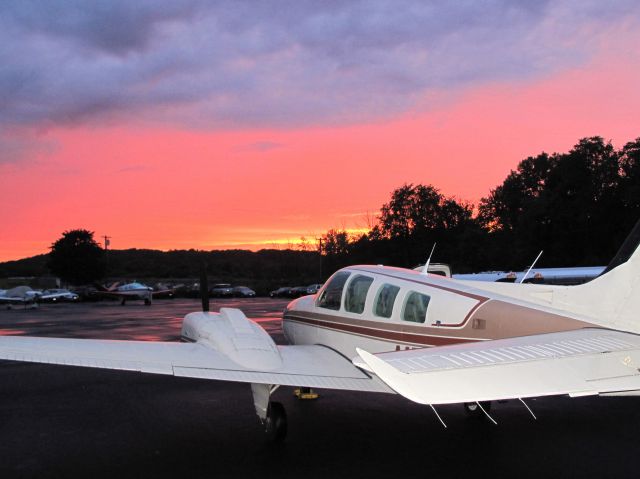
x=147 y=302
x=276 y=423
x=473 y=410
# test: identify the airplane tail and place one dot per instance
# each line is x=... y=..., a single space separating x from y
x=613 y=298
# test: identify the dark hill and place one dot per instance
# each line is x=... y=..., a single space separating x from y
x=262 y=270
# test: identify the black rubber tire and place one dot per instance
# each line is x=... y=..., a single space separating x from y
x=473 y=410
x=276 y=422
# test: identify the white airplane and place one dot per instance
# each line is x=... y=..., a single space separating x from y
x=567 y=276
x=19 y=295
x=134 y=290
x=431 y=339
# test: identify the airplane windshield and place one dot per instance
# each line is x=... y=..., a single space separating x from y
x=332 y=294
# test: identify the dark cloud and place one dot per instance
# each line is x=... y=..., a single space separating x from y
x=117 y=27
x=229 y=64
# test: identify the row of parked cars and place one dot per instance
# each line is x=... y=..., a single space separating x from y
x=295 y=291
x=225 y=290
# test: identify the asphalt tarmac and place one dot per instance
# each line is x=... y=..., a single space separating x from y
x=72 y=422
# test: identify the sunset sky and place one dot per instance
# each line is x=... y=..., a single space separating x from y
x=214 y=125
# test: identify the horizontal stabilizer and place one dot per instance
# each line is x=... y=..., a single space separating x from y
x=577 y=363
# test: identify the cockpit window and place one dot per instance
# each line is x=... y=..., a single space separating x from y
x=332 y=294
x=357 y=293
x=384 y=302
x=415 y=307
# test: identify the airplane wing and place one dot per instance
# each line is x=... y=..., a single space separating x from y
x=118 y=294
x=578 y=363
x=306 y=366
x=53 y=296
x=160 y=292
x=15 y=300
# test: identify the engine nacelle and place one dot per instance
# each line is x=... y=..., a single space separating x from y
x=232 y=334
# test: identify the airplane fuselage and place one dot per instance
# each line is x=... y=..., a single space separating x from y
x=383 y=309
x=136 y=293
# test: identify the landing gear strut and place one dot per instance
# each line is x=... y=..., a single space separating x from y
x=271 y=413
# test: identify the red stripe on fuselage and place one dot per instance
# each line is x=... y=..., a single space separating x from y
x=383 y=335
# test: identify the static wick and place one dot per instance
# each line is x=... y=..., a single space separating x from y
x=486 y=413
x=528 y=408
x=438 y=416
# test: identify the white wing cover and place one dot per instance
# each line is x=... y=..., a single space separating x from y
x=577 y=363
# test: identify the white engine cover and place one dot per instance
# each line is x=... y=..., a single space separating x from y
x=234 y=335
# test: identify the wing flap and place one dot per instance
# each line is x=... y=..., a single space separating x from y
x=285 y=379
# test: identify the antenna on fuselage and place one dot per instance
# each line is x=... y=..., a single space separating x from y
x=425 y=269
x=531 y=267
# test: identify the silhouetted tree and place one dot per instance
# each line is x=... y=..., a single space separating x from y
x=503 y=208
x=335 y=242
x=571 y=205
x=76 y=257
x=630 y=182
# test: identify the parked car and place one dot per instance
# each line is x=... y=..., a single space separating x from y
x=87 y=293
x=57 y=295
x=243 y=292
x=221 y=290
x=314 y=288
x=282 y=292
x=298 y=291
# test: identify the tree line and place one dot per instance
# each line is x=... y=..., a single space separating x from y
x=576 y=206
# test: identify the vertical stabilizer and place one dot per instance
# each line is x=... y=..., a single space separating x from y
x=627 y=249
x=613 y=298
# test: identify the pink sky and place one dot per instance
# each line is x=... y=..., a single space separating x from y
x=165 y=187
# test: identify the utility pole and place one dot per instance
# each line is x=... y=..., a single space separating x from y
x=106 y=248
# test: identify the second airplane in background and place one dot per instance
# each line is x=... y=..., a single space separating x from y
x=132 y=290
